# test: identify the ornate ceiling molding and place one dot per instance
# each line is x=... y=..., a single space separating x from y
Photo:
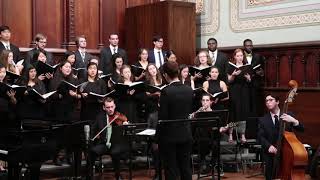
x=272 y=19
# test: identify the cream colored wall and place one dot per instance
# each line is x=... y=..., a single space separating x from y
x=287 y=21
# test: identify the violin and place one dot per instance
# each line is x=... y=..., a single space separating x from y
x=117 y=118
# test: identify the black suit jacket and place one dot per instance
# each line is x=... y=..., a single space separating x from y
x=80 y=63
x=257 y=80
x=106 y=61
x=175 y=103
x=268 y=134
x=222 y=65
x=29 y=57
x=14 y=49
x=151 y=57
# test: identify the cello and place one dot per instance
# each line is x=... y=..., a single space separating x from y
x=291 y=159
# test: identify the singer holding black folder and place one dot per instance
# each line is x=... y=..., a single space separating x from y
x=40 y=55
x=90 y=105
x=6 y=59
x=185 y=77
x=142 y=63
x=239 y=93
x=127 y=101
x=7 y=101
x=214 y=85
x=117 y=63
x=64 y=101
x=29 y=106
x=175 y=140
x=109 y=118
x=202 y=61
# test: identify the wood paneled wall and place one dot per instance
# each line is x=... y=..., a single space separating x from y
x=62 y=20
x=164 y=19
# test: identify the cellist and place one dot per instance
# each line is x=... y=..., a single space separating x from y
x=269 y=131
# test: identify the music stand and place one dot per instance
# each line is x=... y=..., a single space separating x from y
x=208 y=122
x=73 y=139
x=130 y=131
x=222 y=115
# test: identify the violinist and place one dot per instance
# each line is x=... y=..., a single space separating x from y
x=110 y=118
x=269 y=131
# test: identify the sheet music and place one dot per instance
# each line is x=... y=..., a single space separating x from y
x=147 y=132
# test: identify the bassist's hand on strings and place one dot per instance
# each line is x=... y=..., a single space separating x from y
x=289 y=119
x=272 y=150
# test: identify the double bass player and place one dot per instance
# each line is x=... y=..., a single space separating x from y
x=269 y=131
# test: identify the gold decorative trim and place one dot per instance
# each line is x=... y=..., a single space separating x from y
x=208 y=21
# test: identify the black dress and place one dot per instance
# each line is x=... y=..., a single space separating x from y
x=214 y=87
x=139 y=65
x=116 y=77
x=187 y=82
x=29 y=106
x=91 y=106
x=62 y=109
x=152 y=108
x=240 y=99
x=6 y=112
x=127 y=105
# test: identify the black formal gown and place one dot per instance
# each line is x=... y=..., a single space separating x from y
x=240 y=99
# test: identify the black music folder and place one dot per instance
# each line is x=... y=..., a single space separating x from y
x=153 y=89
x=123 y=88
x=69 y=86
x=20 y=90
x=77 y=71
x=137 y=70
x=195 y=70
x=43 y=68
x=38 y=95
x=105 y=77
x=247 y=68
x=101 y=96
x=12 y=77
x=220 y=95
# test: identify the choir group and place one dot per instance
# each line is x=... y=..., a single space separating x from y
x=40 y=88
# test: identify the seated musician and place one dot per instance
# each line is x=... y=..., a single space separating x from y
x=109 y=118
x=269 y=131
x=204 y=136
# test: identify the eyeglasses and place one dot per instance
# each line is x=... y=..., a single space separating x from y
x=43 y=42
x=271 y=99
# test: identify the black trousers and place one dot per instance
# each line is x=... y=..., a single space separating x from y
x=102 y=149
x=176 y=159
x=268 y=160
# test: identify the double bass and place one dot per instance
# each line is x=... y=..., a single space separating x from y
x=291 y=159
